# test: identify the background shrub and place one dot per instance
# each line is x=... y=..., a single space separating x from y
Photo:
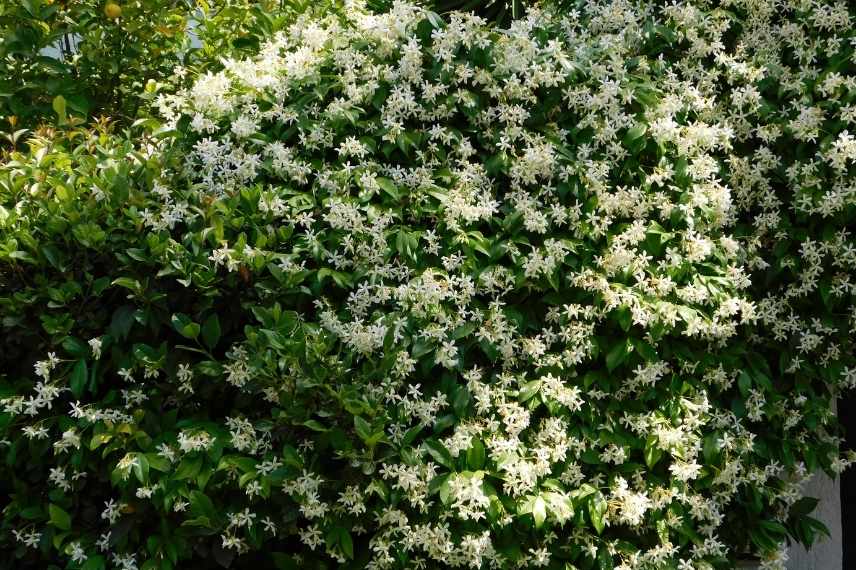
x=107 y=58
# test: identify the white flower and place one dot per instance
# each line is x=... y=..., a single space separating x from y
x=95 y=345
x=77 y=553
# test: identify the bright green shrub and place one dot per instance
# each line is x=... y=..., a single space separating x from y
x=405 y=293
x=106 y=58
x=96 y=58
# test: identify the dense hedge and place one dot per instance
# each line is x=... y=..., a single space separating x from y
x=405 y=292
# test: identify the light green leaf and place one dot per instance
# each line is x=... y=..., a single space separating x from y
x=596 y=509
x=528 y=390
x=539 y=511
x=59 y=108
x=128 y=283
x=363 y=428
x=315 y=425
x=476 y=454
x=653 y=454
x=59 y=518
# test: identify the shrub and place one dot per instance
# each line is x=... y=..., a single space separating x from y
x=108 y=58
x=399 y=292
x=98 y=59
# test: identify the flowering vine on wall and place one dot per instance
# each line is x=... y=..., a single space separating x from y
x=405 y=292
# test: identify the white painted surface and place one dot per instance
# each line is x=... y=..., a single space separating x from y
x=826 y=554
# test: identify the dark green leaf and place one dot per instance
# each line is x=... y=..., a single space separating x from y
x=79 y=375
x=439 y=452
x=188 y=468
x=185 y=326
x=618 y=354
x=211 y=331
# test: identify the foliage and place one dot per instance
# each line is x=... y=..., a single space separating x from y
x=500 y=12
x=400 y=292
x=107 y=58
x=99 y=61
x=237 y=27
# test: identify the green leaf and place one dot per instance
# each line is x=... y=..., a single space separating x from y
x=604 y=559
x=653 y=454
x=439 y=452
x=211 y=331
x=389 y=187
x=420 y=348
x=645 y=350
x=633 y=133
x=528 y=390
x=476 y=454
x=539 y=511
x=625 y=318
x=141 y=469
x=96 y=562
x=463 y=330
x=75 y=347
x=315 y=425
x=23 y=256
x=77 y=381
x=59 y=108
x=339 y=536
x=54 y=256
x=710 y=449
x=202 y=506
x=128 y=283
x=618 y=354
x=59 y=518
x=185 y=326
x=596 y=509
x=410 y=435
x=584 y=491
x=31 y=513
x=188 y=468
x=347 y=544
x=461 y=401
x=803 y=507
x=744 y=383
x=774 y=529
x=284 y=561
x=122 y=321
x=363 y=428
x=553 y=280
x=158 y=462
x=99 y=439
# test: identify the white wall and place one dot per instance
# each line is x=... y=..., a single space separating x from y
x=825 y=555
